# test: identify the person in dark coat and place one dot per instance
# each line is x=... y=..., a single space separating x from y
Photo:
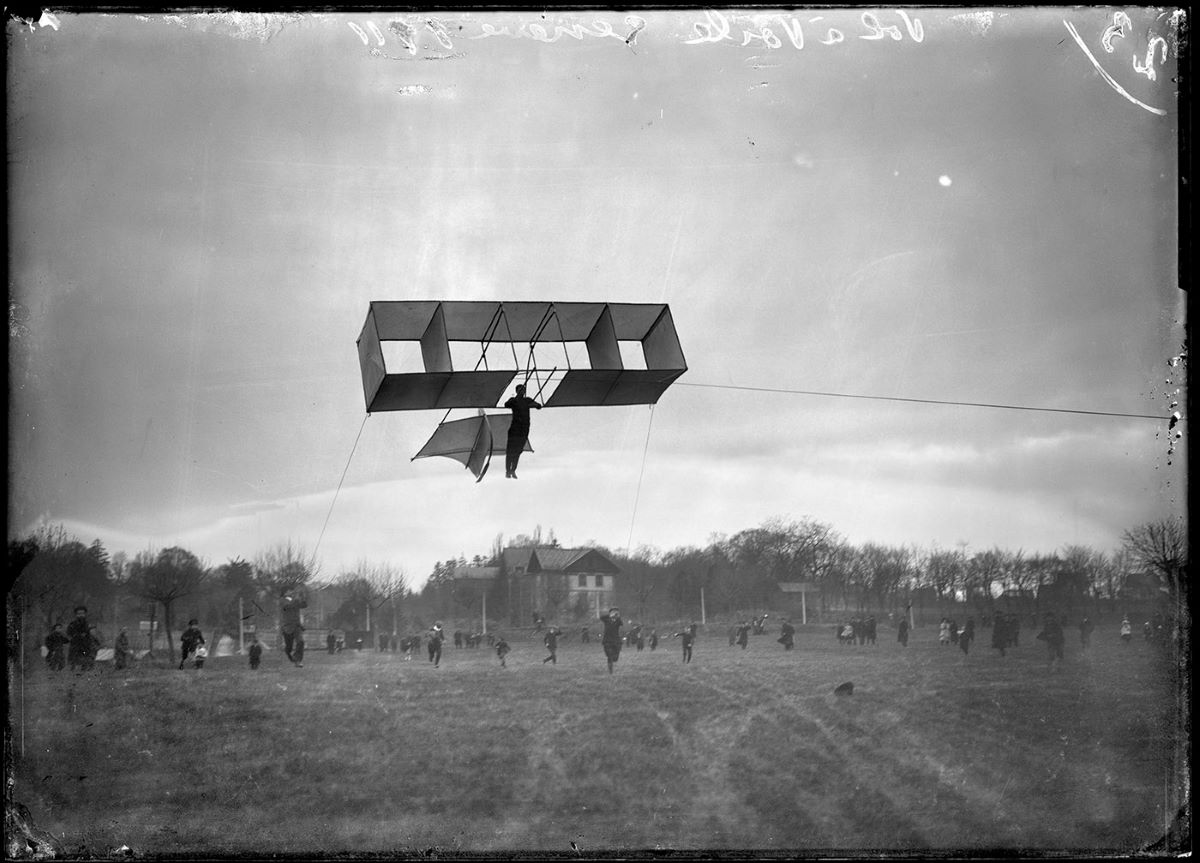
x=611 y=639
x=872 y=629
x=436 y=637
x=78 y=638
x=550 y=639
x=787 y=635
x=191 y=639
x=902 y=632
x=1085 y=632
x=292 y=627
x=967 y=635
x=687 y=637
x=518 y=429
x=502 y=649
x=56 y=641
x=121 y=650
x=1000 y=637
x=653 y=639
x=743 y=634
x=255 y=651
x=1052 y=634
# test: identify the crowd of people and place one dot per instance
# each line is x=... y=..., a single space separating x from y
x=77 y=645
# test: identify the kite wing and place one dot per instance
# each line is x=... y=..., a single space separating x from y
x=471 y=441
x=598 y=330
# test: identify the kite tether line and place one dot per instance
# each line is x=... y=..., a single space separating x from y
x=313 y=559
x=637 y=494
x=926 y=401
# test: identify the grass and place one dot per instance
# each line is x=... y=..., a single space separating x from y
x=364 y=753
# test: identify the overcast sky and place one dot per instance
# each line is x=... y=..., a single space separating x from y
x=973 y=207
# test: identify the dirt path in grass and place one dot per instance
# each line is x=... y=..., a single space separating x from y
x=707 y=751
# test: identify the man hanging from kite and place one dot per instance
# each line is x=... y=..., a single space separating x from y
x=518 y=430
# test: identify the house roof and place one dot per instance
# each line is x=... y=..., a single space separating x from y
x=558 y=560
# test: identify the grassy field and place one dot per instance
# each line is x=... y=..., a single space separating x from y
x=365 y=753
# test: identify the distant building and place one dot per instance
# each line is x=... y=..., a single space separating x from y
x=558 y=582
x=1140 y=587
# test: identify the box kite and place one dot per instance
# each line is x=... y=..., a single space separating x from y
x=556 y=337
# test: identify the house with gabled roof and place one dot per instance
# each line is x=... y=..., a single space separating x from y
x=559 y=583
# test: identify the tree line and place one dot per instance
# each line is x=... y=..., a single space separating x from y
x=740 y=573
x=51 y=572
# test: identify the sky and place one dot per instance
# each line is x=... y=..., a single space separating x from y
x=950 y=205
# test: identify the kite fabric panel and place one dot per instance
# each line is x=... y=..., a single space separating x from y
x=471 y=441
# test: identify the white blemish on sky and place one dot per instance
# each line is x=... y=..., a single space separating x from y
x=977 y=23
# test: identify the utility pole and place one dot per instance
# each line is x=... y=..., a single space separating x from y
x=241 y=628
x=703 y=619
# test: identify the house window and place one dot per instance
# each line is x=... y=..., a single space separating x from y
x=599 y=581
x=583 y=581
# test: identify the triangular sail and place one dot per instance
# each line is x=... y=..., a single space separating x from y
x=471 y=441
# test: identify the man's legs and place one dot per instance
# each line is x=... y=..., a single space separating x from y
x=512 y=453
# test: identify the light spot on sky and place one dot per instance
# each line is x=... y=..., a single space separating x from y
x=944 y=180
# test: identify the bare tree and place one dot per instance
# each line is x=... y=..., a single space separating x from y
x=374 y=585
x=166 y=578
x=1161 y=547
x=284 y=567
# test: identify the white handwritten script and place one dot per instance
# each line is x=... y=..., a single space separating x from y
x=1118 y=38
x=770 y=31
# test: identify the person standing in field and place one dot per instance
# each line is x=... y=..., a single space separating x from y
x=872 y=628
x=1000 y=633
x=330 y=642
x=79 y=639
x=611 y=639
x=190 y=641
x=56 y=641
x=687 y=637
x=255 y=651
x=902 y=632
x=1126 y=631
x=1052 y=634
x=966 y=636
x=743 y=634
x=1085 y=632
x=292 y=626
x=944 y=632
x=518 y=429
x=585 y=636
x=653 y=639
x=787 y=634
x=436 y=637
x=121 y=650
x=550 y=639
x=502 y=649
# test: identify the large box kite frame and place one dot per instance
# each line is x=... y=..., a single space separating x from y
x=435 y=324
